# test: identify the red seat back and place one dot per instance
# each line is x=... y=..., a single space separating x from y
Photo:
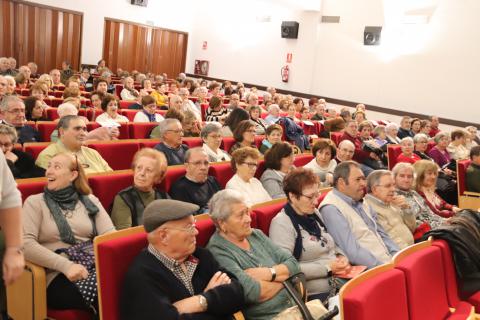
x=113 y=259
x=118 y=89
x=462 y=166
x=265 y=214
x=393 y=151
x=125 y=104
x=34 y=148
x=69 y=314
x=203 y=111
x=222 y=172
x=302 y=159
x=52 y=113
x=90 y=114
x=106 y=186
x=193 y=142
x=173 y=174
x=450 y=275
x=336 y=137
x=141 y=130
x=149 y=143
x=383 y=296
x=28 y=187
x=46 y=128
x=227 y=143
x=118 y=154
x=258 y=140
x=130 y=114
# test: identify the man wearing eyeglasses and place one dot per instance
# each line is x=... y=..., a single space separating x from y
x=351 y=222
x=12 y=113
x=196 y=186
x=172 y=278
x=170 y=132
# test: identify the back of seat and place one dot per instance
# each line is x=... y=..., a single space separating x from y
x=106 y=186
x=118 y=154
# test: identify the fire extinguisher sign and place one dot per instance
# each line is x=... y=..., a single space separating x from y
x=289 y=58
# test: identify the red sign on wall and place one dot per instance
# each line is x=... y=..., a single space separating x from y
x=289 y=57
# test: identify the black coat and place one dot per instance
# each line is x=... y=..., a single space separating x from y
x=25 y=166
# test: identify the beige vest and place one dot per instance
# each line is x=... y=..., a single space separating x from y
x=366 y=238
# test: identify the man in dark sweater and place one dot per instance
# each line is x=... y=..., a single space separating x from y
x=12 y=110
x=171 y=278
x=171 y=133
x=196 y=186
x=473 y=171
x=405 y=128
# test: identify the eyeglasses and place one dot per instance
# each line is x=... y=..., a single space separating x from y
x=190 y=229
x=16 y=111
x=176 y=131
x=6 y=145
x=312 y=197
x=199 y=163
x=388 y=186
x=215 y=136
x=251 y=165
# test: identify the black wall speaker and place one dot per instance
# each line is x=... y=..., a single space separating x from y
x=142 y=3
x=371 y=36
x=290 y=29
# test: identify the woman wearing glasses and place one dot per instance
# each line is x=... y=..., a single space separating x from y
x=64 y=216
x=278 y=162
x=299 y=229
x=244 y=164
x=148 y=114
x=244 y=135
x=110 y=111
x=212 y=139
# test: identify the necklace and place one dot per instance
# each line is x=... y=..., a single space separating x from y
x=67 y=213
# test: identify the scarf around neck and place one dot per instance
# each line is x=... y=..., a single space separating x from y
x=67 y=199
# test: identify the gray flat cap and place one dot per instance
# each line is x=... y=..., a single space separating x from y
x=160 y=211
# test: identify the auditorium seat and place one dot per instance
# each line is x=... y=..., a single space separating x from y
x=106 y=186
x=222 y=171
x=377 y=294
x=425 y=280
x=118 y=89
x=302 y=159
x=92 y=126
x=58 y=94
x=118 y=154
x=92 y=113
x=125 y=104
x=148 y=143
x=260 y=168
x=393 y=151
x=34 y=148
x=451 y=277
x=52 y=114
x=130 y=114
x=31 y=186
x=466 y=199
x=192 y=142
x=203 y=111
x=265 y=212
x=258 y=140
x=46 y=128
x=335 y=137
x=173 y=174
x=227 y=143
x=141 y=130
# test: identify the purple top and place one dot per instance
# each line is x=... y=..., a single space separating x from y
x=440 y=157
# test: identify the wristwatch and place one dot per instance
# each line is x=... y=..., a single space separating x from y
x=274 y=274
x=203 y=302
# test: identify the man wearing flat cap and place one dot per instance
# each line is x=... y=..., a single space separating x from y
x=171 y=278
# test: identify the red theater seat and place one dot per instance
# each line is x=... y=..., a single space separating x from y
x=118 y=89
x=106 y=186
x=125 y=104
x=462 y=166
x=34 y=148
x=336 y=137
x=118 y=154
x=377 y=294
x=141 y=130
x=68 y=314
x=266 y=212
x=302 y=159
x=227 y=143
x=222 y=171
x=130 y=114
x=193 y=142
x=258 y=140
x=92 y=114
x=46 y=128
x=393 y=151
x=173 y=174
x=148 y=143
x=52 y=114
x=28 y=187
x=203 y=111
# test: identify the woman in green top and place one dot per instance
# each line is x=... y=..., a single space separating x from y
x=149 y=167
x=258 y=264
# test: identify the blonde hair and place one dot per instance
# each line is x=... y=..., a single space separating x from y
x=159 y=157
x=80 y=183
x=421 y=167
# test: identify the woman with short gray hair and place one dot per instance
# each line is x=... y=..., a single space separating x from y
x=439 y=152
x=212 y=139
x=258 y=264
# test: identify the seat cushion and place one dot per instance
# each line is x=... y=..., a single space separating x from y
x=382 y=297
x=69 y=314
x=462 y=311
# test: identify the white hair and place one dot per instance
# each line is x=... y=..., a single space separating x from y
x=67 y=109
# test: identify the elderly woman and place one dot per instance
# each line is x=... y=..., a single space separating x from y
x=34 y=109
x=425 y=127
x=129 y=93
x=20 y=163
x=147 y=86
x=212 y=139
x=274 y=135
x=110 y=111
x=415 y=125
x=439 y=152
x=391 y=131
x=426 y=173
x=159 y=96
x=190 y=124
x=278 y=162
x=215 y=111
x=11 y=84
x=407 y=154
x=420 y=142
x=323 y=163
x=403 y=174
x=369 y=144
x=231 y=122
x=380 y=136
x=244 y=135
x=60 y=222
x=148 y=114
x=261 y=125
x=457 y=147
x=360 y=116
x=149 y=168
x=244 y=164
x=258 y=264
x=299 y=229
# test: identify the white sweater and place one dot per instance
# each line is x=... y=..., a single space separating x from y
x=253 y=190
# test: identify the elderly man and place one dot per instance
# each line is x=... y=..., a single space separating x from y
x=391 y=131
x=25 y=70
x=234 y=102
x=187 y=104
x=12 y=110
x=5 y=67
x=73 y=133
x=405 y=126
x=3 y=87
x=252 y=100
x=196 y=186
x=434 y=126
x=33 y=69
x=351 y=222
x=393 y=212
x=273 y=114
x=170 y=132
x=56 y=77
x=171 y=278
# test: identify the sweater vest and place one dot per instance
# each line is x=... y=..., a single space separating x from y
x=366 y=238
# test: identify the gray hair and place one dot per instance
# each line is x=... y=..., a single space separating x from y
x=11 y=79
x=106 y=74
x=343 y=171
x=419 y=137
x=391 y=125
x=378 y=129
x=374 y=177
x=272 y=107
x=64 y=122
x=209 y=128
x=267 y=96
x=441 y=135
x=191 y=151
x=406 y=139
x=401 y=166
x=220 y=204
x=9 y=131
x=7 y=101
x=346 y=143
x=164 y=124
x=66 y=109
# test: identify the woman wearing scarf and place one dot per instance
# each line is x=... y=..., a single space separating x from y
x=299 y=229
x=65 y=216
x=148 y=114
